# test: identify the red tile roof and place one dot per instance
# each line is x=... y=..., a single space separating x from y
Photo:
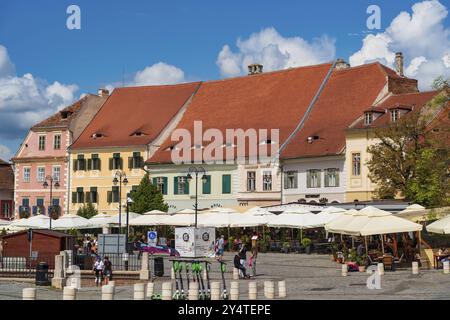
x=274 y=100
x=6 y=176
x=344 y=98
x=130 y=110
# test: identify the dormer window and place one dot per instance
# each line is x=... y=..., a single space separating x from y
x=97 y=135
x=395 y=115
x=138 y=134
x=65 y=114
x=368 y=118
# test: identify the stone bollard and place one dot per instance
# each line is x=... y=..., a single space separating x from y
x=234 y=290
x=166 y=292
x=150 y=289
x=415 y=267
x=69 y=293
x=269 y=289
x=380 y=269
x=172 y=274
x=29 y=294
x=344 y=270
x=112 y=283
x=215 y=290
x=282 y=289
x=193 y=291
x=139 y=291
x=144 y=274
x=235 y=274
x=108 y=293
x=446 y=267
x=58 y=273
x=252 y=290
x=205 y=278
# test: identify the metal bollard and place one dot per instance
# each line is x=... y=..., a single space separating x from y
x=139 y=291
x=446 y=267
x=193 y=291
x=380 y=267
x=150 y=289
x=282 y=289
x=235 y=274
x=29 y=294
x=252 y=290
x=269 y=289
x=108 y=292
x=215 y=290
x=166 y=292
x=69 y=293
x=415 y=267
x=344 y=270
x=234 y=290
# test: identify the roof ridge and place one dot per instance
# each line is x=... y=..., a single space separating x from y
x=160 y=85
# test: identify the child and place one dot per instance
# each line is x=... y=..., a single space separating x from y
x=98 y=270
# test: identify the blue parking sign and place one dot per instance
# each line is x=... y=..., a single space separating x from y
x=152 y=237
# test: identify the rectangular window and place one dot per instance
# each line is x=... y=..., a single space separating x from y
x=368 y=118
x=267 y=180
x=56 y=173
x=251 y=181
x=40 y=202
x=332 y=177
x=182 y=185
x=25 y=202
x=356 y=164
x=80 y=195
x=57 y=142
x=26 y=174
x=136 y=161
x=94 y=162
x=115 y=195
x=41 y=174
x=206 y=187
x=115 y=163
x=79 y=163
x=41 y=143
x=395 y=115
x=291 y=180
x=93 y=195
x=161 y=184
x=313 y=178
x=226 y=183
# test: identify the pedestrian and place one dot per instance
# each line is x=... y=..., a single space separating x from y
x=107 y=270
x=243 y=254
x=238 y=265
x=98 y=271
x=220 y=247
x=252 y=262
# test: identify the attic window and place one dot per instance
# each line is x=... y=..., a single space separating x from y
x=65 y=114
x=395 y=115
x=97 y=135
x=138 y=134
x=368 y=118
x=311 y=139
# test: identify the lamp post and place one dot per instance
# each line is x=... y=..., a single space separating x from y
x=196 y=171
x=120 y=178
x=53 y=183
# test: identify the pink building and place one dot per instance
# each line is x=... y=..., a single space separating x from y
x=44 y=155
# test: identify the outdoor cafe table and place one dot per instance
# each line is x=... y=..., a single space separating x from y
x=437 y=257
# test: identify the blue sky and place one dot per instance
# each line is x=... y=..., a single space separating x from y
x=125 y=37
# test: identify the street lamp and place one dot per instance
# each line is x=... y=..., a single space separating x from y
x=53 y=183
x=196 y=171
x=120 y=178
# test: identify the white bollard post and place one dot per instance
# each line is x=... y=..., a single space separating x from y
x=150 y=289
x=215 y=290
x=282 y=289
x=193 y=291
x=235 y=274
x=380 y=267
x=252 y=290
x=69 y=293
x=29 y=294
x=112 y=283
x=234 y=290
x=172 y=274
x=139 y=291
x=269 y=289
x=446 y=267
x=205 y=278
x=344 y=270
x=415 y=267
x=108 y=292
x=166 y=292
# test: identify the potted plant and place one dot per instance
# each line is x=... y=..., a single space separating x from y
x=286 y=246
x=306 y=243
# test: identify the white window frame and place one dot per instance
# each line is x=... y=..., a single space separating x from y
x=251 y=181
x=59 y=173
x=181 y=182
x=395 y=115
x=332 y=174
x=368 y=118
x=26 y=178
x=267 y=183
x=292 y=179
x=54 y=141
x=356 y=165
x=38 y=176
x=39 y=142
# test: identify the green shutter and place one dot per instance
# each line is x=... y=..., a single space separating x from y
x=110 y=163
x=286 y=176
x=109 y=196
x=99 y=164
x=165 y=185
x=337 y=177
x=89 y=166
x=308 y=179
x=295 y=179
x=207 y=185
x=74 y=197
x=82 y=197
x=121 y=164
x=175 y=185
x=319 y=178
x=186 y=187
x=226 y=183
x=327 y=178
x=75 y=167
x=130 y=162
x=155 y=180
x=87 y=196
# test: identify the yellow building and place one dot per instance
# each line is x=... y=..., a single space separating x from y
x=126 y=131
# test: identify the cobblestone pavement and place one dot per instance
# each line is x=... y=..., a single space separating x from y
x=307 y=277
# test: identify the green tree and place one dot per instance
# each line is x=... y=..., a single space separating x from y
x=147 y=197
x=441 y=83
x=87 y=211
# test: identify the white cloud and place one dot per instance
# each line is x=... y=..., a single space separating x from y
x=26 y=100
x=421 y=36
x=274 y=52
x=5 y=153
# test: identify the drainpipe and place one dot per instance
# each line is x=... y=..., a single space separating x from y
x=281 y=178
x=68 y=182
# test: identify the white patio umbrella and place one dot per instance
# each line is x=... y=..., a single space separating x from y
x=413 y=208
x=329 y=214
x=341 y=222
x=441 y=226
x=114 y=220
x=219 y=218
x=249 y=220
x=298 y=218
x=185 y=211
x=71 y=221
x=100 y=220
x=155 y=212
x=149 y=219
x=35 y=222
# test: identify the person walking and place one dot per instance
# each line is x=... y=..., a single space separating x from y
x=107 y=270
x=220 y=247
x=98 y=271
x=252 y=262
x=243 y=254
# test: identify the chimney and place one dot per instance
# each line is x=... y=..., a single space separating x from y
x=399 y=63
x=341 y=64
x=255 y=69
x=103 y=92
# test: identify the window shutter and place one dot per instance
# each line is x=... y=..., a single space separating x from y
x=74 y=197
x=295 y=179
x=110 y=163
x=82 y=197
x=175 y=185
x=327 y=178
x=130 y=162
x=226 y=183
x=87 y=196
x=154 y=181
x=75 y=167
x=319 y=178
x=141 y=162
x=286 y=182
x=121 y=164
x=99 y=164
x=109 y=196
x=337 y=177
x=165 y=185
x=207 y=185
x=89 y=166
x=186 y=187
x=308 y=179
